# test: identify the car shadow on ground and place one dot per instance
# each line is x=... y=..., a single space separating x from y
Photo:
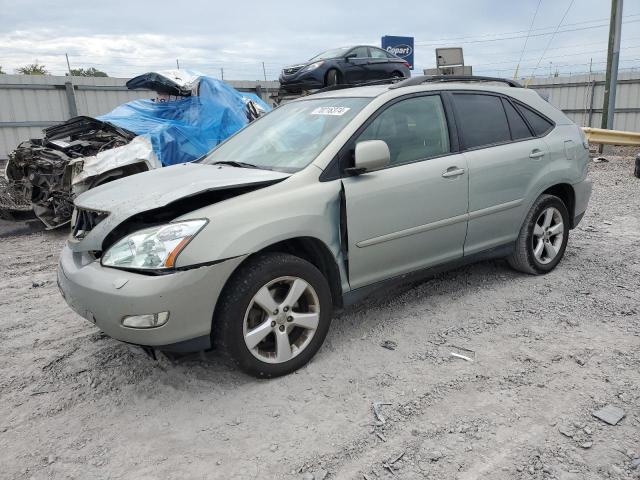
x=461 y=282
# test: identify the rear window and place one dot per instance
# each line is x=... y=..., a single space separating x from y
x=482 y=119
x=539 y=124
x=519 y=129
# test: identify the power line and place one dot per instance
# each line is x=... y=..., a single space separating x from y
x=515 y=75
x=553 y=36
x=561 y=65
x=515 y=52
x=523 y=36
x=448 y=39
x=555 y=56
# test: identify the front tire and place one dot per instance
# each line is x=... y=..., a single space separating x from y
x=543 y=237
x=332 y=78
x=274 y=315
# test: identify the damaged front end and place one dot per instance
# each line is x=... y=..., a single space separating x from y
x=40 y=172
x=190 y=115
x=110 y=212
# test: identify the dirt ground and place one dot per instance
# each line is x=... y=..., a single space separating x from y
x=548 y=350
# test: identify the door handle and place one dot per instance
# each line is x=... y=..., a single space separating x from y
x=536 y=154
x=453 y=172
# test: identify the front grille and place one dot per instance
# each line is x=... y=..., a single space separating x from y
x=292 y=70
x=83 y=221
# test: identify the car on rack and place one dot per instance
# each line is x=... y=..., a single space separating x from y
x=327 y=200
x=344 y=65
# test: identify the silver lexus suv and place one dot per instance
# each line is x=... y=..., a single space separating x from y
x=318 y=204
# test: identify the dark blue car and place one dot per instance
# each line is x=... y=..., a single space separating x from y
x=345 y=65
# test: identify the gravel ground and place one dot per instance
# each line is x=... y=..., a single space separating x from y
x=548 y=351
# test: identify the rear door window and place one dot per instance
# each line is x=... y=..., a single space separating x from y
x=377 y=53
x=539 y=124
x=482 y=119
x=519 y=128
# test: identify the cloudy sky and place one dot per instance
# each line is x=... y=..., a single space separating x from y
x=126 y=38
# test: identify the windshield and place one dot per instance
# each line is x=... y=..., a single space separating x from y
x=290 y=137
x=336 y=52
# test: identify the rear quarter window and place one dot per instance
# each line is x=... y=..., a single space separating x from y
x=519 y=128
x=538 y=123
x=482 y=119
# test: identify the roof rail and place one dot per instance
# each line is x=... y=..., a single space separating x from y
x=452 y=78
x=342 y=86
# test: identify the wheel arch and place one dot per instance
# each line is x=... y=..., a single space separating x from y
x=339 y=74
x=564 y=192
x=316 y=252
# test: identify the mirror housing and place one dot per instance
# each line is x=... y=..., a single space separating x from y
x=370 y=155
x=349 y=56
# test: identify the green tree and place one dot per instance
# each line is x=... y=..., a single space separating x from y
x=1 y=71
x=87 y=72
x=33 y=69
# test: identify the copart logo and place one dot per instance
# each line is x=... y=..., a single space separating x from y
x=401 y=51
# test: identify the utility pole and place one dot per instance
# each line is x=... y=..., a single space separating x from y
x=177 y=64
x=68 y=64
x=613 y=57
x=222 y=73
x=264 y=72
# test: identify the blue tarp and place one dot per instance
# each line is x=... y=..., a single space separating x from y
x=183 y=130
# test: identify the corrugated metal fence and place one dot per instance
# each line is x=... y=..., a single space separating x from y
x=580 y=97
x=28 y=103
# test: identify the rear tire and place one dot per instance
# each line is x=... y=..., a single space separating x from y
x=397 y=74
x=543 y=237
x=254 y=336
x=332 y=78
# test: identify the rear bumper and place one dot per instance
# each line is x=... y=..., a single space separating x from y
x=104 y=296
x=582 y=192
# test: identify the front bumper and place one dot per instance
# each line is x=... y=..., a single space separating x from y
x=302 y=81
x=105 y=295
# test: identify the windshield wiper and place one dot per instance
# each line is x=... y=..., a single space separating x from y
x=232 y=163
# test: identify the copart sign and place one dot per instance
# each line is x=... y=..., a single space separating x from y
x=400 y=46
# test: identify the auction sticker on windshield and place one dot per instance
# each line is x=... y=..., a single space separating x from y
x=330 y=111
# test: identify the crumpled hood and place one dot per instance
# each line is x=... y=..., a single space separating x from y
x=139 y=193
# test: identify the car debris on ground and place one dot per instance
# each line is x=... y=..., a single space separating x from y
x=463 y=353
x=389 y=344
x=378 y=414
x=388 y=465
x=610 y=414
x=191 y=114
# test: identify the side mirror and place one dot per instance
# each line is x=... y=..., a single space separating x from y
x=370 y=155
x=350 y=56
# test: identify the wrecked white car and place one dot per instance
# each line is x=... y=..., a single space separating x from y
x=190 y=115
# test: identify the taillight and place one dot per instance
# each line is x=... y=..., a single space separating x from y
x=406 y=64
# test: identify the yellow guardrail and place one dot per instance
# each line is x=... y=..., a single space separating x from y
x=611 y=137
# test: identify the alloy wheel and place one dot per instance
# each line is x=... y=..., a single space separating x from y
x=548 y=234
x=281 y=319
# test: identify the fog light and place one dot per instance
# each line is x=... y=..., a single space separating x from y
x=150 y=320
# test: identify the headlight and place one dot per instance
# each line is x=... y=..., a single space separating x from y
x=154 y=248
x=313 y=66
